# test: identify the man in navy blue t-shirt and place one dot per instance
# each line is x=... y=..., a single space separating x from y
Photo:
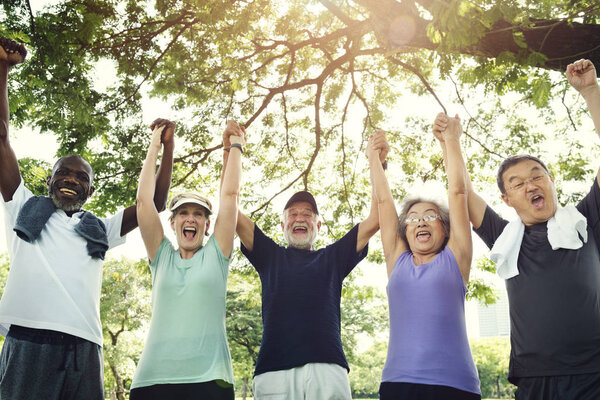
x=301 y=353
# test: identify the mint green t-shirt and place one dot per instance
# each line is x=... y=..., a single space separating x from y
x=187 y=342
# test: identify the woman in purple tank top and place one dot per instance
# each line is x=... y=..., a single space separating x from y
x=428 y=263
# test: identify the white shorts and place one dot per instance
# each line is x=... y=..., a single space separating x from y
x=313 y=381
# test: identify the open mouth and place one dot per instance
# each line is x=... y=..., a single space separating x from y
x=300 y=229
x=537 y=201
x=189 y=232
x=67 y=191
x=423 y=236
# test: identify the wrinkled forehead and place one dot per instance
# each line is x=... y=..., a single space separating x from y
x=73 y=163
x=299 y=207
x=522 y=169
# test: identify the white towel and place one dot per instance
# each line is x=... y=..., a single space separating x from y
x=564 y=229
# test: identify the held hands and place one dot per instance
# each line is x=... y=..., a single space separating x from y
x=167 y=129
x=582 y=76
x=11 y=53
x=378 y=146
x=445 y=128
x=233 y=133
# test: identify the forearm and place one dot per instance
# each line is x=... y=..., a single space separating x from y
x=379 y=183
x=163 y=177
x=224 y=168
x=592 y=98
x=231 y=175
x=147 y=184
x=455 y=167
x=4 y=109
x=9 y=168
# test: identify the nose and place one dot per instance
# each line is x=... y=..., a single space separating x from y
x=71 y=179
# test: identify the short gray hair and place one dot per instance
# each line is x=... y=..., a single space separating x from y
x=408 y=203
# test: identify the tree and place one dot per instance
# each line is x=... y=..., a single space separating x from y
x=365 y=372
x=244 y=327
x=491 y=355
x=299 y=69
x=125 y=312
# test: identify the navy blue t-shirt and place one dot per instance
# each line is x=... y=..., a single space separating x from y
x=301 y=292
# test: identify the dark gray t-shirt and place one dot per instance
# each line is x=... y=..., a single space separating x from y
x=555 y=299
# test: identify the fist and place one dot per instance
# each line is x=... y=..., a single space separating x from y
x=11 y=52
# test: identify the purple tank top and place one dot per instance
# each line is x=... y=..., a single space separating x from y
x=428 y=337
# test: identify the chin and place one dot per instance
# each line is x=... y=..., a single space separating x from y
x=67 y=207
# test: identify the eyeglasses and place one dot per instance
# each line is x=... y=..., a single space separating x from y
x=520 y=185
x=424 y=218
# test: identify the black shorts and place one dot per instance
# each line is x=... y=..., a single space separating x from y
x=184 y=391
x=562 y=387
x=417 y=391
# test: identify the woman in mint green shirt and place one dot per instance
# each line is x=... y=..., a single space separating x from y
x=186 y=355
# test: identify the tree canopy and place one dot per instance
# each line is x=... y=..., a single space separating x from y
x=310 y=79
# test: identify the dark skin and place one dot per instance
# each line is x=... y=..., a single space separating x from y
x=72 y=177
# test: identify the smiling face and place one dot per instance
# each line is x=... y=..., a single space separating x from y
x=424 y=237
x=530 y=191
x=190 y=223
x=70 y=184
x=300 y=225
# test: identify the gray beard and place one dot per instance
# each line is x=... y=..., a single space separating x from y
x=66 y=208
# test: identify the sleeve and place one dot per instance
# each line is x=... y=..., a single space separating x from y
x=263 y=250
x=163 y=251
x=343 y=252
x=589 y=206
x=491 y=227
x=218 y=255
x=113 y=229
x=12 y=207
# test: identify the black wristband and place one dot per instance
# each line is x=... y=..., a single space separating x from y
x=238 y=145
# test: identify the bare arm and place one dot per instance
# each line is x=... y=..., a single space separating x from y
x=476 y=204
x=163 y=177
x=582 y=76
x=147 y=214
x=10 y=54
x=393 y=246
x=460 y=241
x=244 y=227
x=230 y=186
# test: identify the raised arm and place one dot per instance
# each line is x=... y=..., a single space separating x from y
x=582 y=76
x=393 y=246
x=230 y=187
x=476 y=204
x=11 y=54
x=244 y=227
x=460 y=241
x=147 y=214
x=163 y=177
x=368 y=227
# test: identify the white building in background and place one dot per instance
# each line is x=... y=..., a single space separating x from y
x=491 y=320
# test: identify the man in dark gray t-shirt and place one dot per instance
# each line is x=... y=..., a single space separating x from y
x=555 y=298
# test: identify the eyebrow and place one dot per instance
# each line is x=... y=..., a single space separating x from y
x=534 y=169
